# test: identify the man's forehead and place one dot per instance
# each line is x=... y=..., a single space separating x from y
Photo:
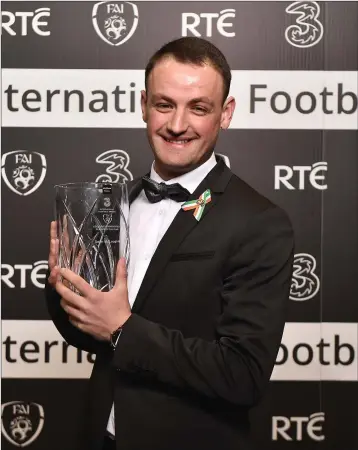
x=171 y=74
x=170 y=64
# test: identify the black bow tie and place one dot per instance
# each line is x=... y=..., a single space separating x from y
x=155 y=192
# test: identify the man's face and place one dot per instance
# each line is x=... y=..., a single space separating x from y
x=184 y=112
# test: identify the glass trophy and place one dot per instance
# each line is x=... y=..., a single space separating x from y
x=93 y=230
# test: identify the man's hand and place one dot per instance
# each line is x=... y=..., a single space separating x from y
x=53 y=255
x=94 y=312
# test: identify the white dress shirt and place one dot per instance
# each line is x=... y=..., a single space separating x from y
x=148 y=223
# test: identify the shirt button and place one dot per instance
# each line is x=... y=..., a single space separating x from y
x=161 y=212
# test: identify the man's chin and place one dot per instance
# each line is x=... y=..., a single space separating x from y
x=171 y=169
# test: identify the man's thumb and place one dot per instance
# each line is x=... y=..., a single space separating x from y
x=121 y=272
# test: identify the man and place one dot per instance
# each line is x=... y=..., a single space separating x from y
x=185 y=343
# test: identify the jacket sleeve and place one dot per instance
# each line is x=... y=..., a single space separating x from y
x=71 y=334
x=237 y=366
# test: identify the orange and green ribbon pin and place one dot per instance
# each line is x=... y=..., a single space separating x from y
x=198 y=205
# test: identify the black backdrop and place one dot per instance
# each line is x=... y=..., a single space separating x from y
x=70 y=106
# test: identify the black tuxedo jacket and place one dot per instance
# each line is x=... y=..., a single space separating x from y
x=198 y=351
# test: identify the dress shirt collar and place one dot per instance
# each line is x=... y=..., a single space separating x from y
x=189 y=180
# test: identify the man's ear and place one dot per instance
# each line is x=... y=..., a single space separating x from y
x=143 y=103
x=227 y=112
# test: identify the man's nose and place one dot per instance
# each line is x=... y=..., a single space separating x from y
x=178 y=123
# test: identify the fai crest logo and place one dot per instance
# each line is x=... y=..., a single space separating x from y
x=308 y=30
x=107 y=218
x=23 y=171
x=305 y=283
x=22 y=422
x=117 y=167
x=116 y=22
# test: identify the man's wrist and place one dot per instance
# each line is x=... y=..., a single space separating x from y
x=115 y=335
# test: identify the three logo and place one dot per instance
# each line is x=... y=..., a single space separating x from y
x=117 y=162
x=305 y=283
x=308 y=30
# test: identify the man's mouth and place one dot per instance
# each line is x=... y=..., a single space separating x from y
x=177 y=141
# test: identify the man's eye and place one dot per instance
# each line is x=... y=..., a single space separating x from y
x=200 y=109
x=163 y=105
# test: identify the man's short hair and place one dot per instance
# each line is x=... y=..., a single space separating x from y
x=193 y=50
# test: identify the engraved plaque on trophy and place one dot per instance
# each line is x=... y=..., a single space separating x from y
x=93 y=230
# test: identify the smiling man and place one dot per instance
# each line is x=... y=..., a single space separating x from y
x=186 y=341
x=184 y=107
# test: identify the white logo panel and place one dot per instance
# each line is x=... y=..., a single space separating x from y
x=295 y=100
x=72 y=98
x=35 y=349
x=90 y=98
x=318 y=351
x=308 y=352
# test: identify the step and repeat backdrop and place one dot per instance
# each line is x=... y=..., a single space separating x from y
x=71 y=79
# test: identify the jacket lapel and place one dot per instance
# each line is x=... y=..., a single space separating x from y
x=181 y=226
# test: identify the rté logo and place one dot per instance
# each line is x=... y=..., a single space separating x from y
x=191 y=21
x=19 y=23
x=297 y=177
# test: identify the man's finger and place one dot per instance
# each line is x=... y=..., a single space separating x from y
x=78 y=282
x=52 y=259
x=76 y=323
x=54 y=275
x=69 y=296
x=53 y=230
x=71 y=310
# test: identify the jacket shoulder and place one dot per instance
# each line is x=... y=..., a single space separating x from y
x=247 y=197
x=243 y=202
